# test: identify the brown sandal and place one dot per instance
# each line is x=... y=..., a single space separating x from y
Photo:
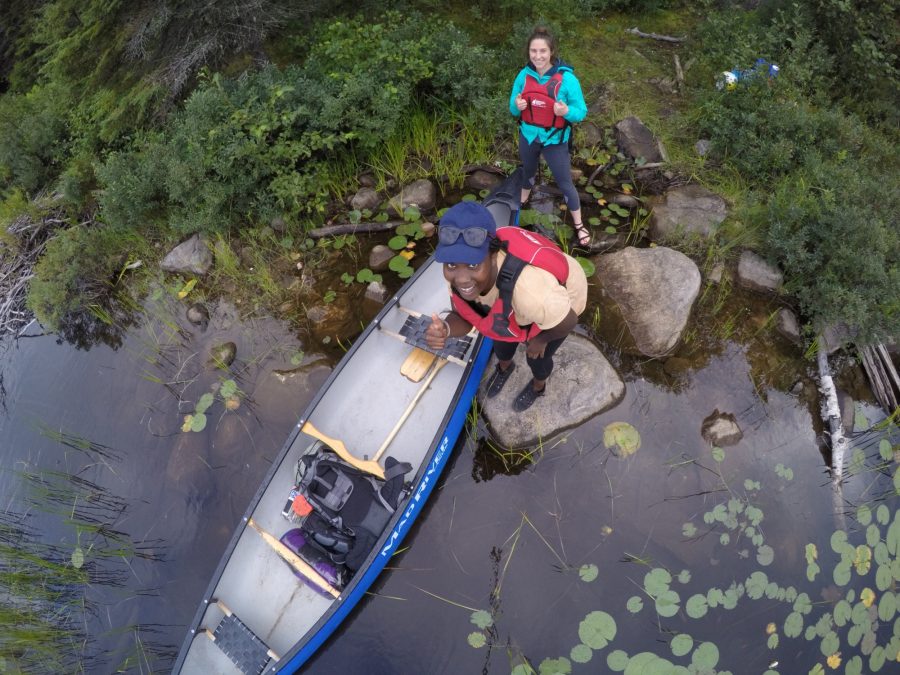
x=582 y=235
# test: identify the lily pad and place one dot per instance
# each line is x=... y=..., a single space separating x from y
x=78 y=558
x=581 y=653
x=597 y=629
x=682 y=644
x=205 y=401
x=229 y=388
x=481 y=618
x=560 y=666
x=588 y=572
x=477 y=640
x=623 y=436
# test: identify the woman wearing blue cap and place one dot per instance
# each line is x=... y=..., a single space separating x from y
x=512 y=285
x=546 y=97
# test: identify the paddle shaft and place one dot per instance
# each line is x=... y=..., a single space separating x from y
x=295 y=561
x=412 y=404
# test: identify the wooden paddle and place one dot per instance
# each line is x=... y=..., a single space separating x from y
x=412 y=404
x=295 y=560
x=368 y=465
x=417 y=364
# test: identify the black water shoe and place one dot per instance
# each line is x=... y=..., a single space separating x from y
x=498 y=379
x=527 y=397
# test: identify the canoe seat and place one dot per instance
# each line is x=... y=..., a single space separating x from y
x=413 y=332
x=240 y=644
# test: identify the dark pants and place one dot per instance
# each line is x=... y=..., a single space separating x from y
x=540 y=368
x=557 y=158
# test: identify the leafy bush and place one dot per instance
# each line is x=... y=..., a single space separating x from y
x=79 y=271
x=833 y=228
x=134 y=194
x=247 y=149
x=32 y=138
x=765 y=132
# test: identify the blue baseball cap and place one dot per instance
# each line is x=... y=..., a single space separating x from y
x=460 y=217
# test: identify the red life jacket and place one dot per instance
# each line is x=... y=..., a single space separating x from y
x=540 y=99
x=523 y=248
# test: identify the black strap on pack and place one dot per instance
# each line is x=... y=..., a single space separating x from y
x=506 y=280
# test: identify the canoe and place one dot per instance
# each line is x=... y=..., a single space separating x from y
x=267 y=611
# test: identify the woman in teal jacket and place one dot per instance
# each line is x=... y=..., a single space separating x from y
x=547 y=98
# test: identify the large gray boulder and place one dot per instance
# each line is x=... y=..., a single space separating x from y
x=691 y=209
x=189 y=257
x=655 y=290
x=583 y=384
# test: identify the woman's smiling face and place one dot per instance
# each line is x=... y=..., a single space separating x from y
x=470 y=281
x=540 y=54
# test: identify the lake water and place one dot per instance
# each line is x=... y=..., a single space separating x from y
x=541 y=548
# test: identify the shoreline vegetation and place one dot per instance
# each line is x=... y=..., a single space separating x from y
x=126 y=127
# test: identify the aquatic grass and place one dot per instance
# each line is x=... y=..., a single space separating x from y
x=46 y=588
x=391 y=161
x=423 y=130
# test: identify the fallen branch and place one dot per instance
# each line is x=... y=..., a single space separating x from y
x=679 y=73
x=654 y=36
x=352 y=228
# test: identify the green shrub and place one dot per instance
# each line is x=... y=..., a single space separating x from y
x=79 y=270
x=833 y=228
x=32 y=137
x=250 y=148
x=133 y=193
x=765 y=132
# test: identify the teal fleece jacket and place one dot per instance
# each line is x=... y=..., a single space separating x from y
x=569 y=93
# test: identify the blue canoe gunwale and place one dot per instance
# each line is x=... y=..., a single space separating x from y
x=195 y=654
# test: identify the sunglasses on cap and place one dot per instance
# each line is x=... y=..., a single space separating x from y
x=473 y=236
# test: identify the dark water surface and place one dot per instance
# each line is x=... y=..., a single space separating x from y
x=508 y=539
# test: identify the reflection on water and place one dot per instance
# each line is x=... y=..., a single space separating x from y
x=113 y=418
x=515 y=538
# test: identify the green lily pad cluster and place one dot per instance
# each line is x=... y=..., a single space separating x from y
x=404 y=242
x=230 y=394
x=865 y=622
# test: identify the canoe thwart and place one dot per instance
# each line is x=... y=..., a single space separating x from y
x=239 y=643
x=295 y=560
x=367 y=465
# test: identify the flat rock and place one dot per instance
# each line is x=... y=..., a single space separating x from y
x=691 y=209
x=755 y=274
x=583 y=384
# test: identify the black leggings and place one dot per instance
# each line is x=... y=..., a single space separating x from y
x=540 y=368
x=557 y=158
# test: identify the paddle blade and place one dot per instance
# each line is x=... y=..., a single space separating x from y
x=417 y=364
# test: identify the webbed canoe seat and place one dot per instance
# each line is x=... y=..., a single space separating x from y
x=240 y=644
